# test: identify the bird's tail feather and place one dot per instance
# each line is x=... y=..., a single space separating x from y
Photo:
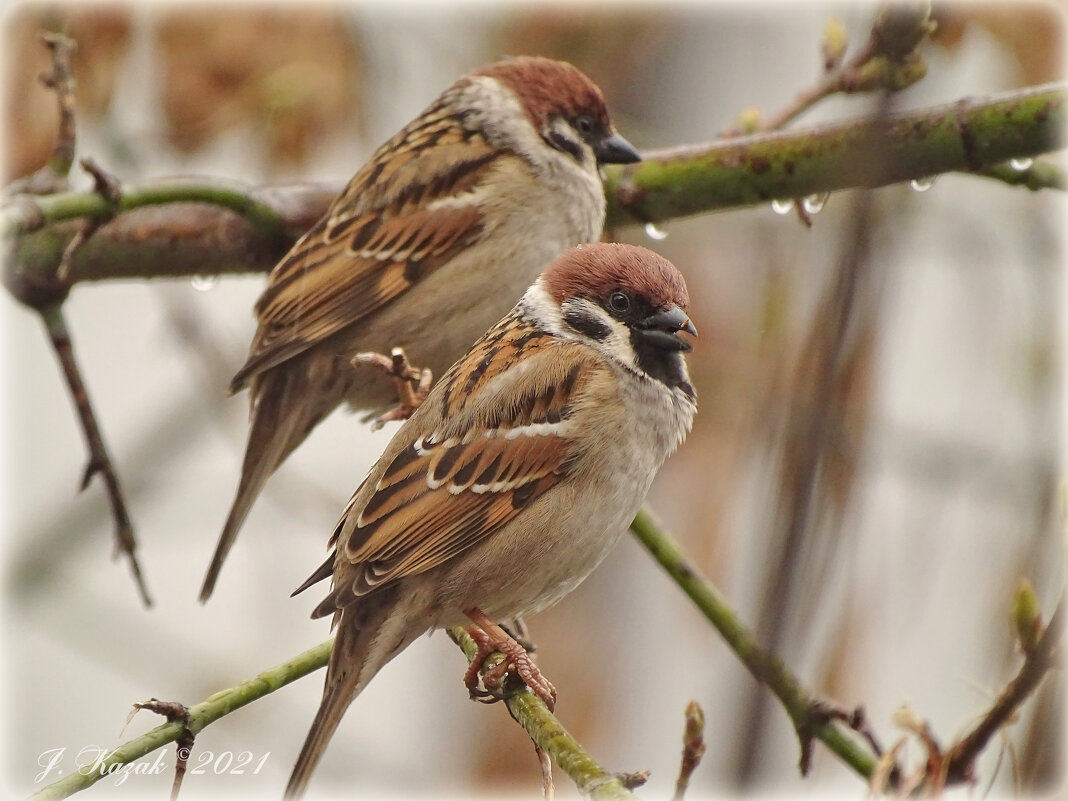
x=377 y=630
x=340 y=689
x=280 y=422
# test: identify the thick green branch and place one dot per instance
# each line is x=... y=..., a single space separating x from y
x=200 y=716
x=970 y=135
x=170 y=230
x=549 y=734
x=767 y=668
x=188 y=228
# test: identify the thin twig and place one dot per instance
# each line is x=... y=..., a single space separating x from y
x=173 y=711
x=61 y=81
x=960 y=758
x=548 y=789
x=888 y=60
x=802 y=707
x=693 y=748
x=99 y=461
x=52 y=177
x=200 y=717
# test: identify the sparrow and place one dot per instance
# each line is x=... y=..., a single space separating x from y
x=426 y=247
x=514 y=478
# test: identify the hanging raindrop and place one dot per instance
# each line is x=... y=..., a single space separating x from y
x=204 y=283
x=814 y=204
x=1021 y=164
x=782 y=206
x=922 y=184
x=653 y=232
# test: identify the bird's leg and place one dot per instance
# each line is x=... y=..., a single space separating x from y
x=517 y=627
x=494 y=638
x=412 y=384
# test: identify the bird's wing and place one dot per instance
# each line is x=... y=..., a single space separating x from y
x=448 y=490
x=406 y=213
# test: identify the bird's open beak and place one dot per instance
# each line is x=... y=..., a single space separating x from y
x=615 y=149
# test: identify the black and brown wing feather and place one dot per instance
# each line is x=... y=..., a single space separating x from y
x=381 y=235
x=432 y=497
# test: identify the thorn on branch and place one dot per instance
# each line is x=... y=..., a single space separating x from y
x=105 y=185
x=99 y=462
x=634 y=780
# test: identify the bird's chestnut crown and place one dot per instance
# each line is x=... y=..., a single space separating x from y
x=549 y=90
x=617 y=277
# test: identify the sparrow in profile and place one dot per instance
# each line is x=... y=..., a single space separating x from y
x=449 y=221
x=514 y=478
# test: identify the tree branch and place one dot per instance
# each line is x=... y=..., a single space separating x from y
x=186 y=228
x=969 y=135
x=548 y=734
x=199 y=717
x=99 y=461
x=811 y=717
x=815 y=719
x=959 y=765
x=527 y=709
x=805 y=711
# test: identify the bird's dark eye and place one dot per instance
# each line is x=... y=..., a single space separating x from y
x=619 y=303
x=584 y=125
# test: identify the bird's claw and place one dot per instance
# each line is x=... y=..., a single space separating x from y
x=516 y=662
x=411 y=383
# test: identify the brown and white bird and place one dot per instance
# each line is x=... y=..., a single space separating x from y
x=426 y=247
x=515 y=477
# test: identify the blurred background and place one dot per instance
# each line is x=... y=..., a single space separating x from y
x=938 y=480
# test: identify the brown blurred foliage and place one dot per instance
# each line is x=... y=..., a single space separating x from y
x=30 y=114
x=1032 y=32
x=292 y=69
x=292 y=72
x=610 y=44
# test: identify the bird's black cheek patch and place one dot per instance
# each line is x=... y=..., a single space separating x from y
x=586 y=323
x=666 y=366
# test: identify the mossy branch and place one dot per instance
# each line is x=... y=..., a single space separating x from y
x=970 y=135
x=207 y=227
x=549 y=734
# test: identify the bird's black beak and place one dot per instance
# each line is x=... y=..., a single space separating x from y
x=661 y=329
x=615 y=149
